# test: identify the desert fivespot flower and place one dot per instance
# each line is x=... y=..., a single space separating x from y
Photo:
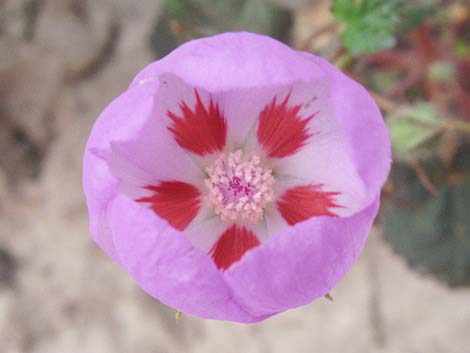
x=236 y=178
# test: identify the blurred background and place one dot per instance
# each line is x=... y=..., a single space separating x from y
x=63 y=61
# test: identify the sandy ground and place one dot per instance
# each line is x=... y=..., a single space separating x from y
x=60 y=294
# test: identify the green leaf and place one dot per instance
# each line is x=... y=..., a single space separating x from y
x=207 y=17
x=411 y=128
x=369 y=25
x=432 y=232
x=414 y=14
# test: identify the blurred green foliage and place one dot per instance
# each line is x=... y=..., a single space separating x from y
x=371 y=25
x=414 y=13
x=432 y=231
x=441 y=71
x=412 y=129
x=197 y=18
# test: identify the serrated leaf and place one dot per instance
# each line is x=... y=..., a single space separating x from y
x=344 y=9
x=206 y=17
x=411 y=127
x=364 y=40
x=432 y=232
x=369 y=25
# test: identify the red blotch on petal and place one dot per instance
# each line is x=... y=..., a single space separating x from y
x=175 y=201
x=302 y=202
x=201 y=130
x=231 y=246
x=281 y=131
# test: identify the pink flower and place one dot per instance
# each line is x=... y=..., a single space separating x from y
x=236 y=178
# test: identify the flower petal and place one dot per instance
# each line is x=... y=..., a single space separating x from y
x=200 y=129
x=303 y=202
x=242 y=108
x=324 y=159
x=168 y=267
x=233 y=61
x=367 y=137
x=204 y=231
x=225 y=118
x=126 y=146
x=232 y=245
x=281 y=130
x=300 y=264
x=175 y=201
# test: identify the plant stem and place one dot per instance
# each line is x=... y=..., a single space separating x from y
x=423 y=177
x=460 y=126
x=305 y=45
x=384 y=102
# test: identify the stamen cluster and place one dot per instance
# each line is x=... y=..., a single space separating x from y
x=239 y=187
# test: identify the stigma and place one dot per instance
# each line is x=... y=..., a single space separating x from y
x=238 y=187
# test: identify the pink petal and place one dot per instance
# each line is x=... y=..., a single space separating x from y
x=204 y=231
x=303 y=202
x=281 y=130
x=324 y=159
x=199 y=129
x=233 y=61
x=168 y=267
x=175 y=201
x=203 y=122
x=242 y=108
x=300 y=264
x=140 y=150
x=232 y=245
x=275 y=223
x=368 y=141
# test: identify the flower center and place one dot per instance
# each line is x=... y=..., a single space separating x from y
x=239 y=188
